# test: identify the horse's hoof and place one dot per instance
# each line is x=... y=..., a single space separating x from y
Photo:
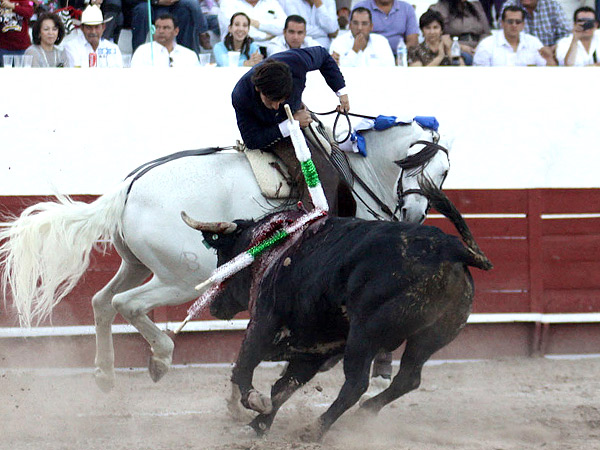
x=376 y=386
x=259 y=402
x=157 y=368
x=105 y=381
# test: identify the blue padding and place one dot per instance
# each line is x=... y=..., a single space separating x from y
x=384 y=122
x=361 y=144
x=427 y=122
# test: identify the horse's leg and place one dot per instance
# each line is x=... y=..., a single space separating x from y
x=129 y=275
x=134 y=304
x=298 y=372
x=258 y=339
x=357 y=363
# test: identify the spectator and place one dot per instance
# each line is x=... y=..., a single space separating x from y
x=267 y=17
x=188 y=13
x=48 y=32
x=361 y=47
x=320 y=15
x=164 y=51
x=294 y=36
x=393 y=19
x=14 y=26
x=435 y=49
x=582 y=48
x=511 y=47
x=487 y=6
x=111 y=10
x=466 y=20
x=343 y=18
x=237 y=40
x=90 y=42
x=544 y=19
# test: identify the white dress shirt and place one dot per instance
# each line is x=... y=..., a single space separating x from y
x=496 y=51
x=377 y=53
x=319 y=21
x=269 y=14
x=180 y=56
x=278 y=44
x=583 y=57
x=78 y=51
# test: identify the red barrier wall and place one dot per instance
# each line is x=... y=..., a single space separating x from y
x=544 y=243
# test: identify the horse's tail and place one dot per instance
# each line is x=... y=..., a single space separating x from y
x=46 y=250
x=444 y=206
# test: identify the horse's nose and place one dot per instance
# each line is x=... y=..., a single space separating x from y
x=404 y=216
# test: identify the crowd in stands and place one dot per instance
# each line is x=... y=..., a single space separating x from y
x=244 y=32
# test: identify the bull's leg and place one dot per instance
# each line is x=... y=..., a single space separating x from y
x=381 y=376
x=419 y=349
x=298 y=372
x=357 y=363
x=259 y=338
x=134 y=306
x=130 y=275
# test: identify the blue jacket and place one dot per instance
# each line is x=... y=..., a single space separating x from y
x=258 y=125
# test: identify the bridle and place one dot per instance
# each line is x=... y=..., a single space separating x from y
x=420 y=159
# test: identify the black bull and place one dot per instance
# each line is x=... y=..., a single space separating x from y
x=352 y=287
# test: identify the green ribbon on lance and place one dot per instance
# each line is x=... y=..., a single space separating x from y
x=264 y=245
x=310 y=173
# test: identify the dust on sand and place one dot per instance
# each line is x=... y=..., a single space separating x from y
x=505 y=404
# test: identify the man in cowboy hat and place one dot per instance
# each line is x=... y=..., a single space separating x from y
x=88 y=48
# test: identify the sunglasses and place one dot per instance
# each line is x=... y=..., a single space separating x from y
x=170 y=61
x=513 y=21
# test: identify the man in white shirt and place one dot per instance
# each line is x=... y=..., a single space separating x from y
x=164 y=51
x=582 y=48
x=320 y=15
x=88 y=48
x=267 y=17
x=511 y=46
x=360 y=47
x=294 y=36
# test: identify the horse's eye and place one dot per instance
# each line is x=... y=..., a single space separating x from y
x=214 y=237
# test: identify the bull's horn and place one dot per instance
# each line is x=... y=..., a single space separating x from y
x=213 y=227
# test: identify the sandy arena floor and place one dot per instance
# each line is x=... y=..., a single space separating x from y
x=507 y=404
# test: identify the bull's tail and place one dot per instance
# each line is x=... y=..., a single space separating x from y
x=444 y=206
x=46 y=250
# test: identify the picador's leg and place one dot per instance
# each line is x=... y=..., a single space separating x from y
x=298 y=372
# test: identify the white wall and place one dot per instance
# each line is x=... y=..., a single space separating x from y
x=514 y=127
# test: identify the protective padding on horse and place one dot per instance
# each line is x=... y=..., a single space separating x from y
x=271 y=174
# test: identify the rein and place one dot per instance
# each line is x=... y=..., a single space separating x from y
x=335 y=122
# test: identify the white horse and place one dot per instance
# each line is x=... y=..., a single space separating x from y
x=46 y=250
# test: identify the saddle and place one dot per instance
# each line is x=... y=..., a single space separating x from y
x=272 y=174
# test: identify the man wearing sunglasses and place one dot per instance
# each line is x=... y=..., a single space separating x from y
x=511 y=46
x=582 y=48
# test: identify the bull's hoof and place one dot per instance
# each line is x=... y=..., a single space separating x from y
x=312 y=433
x=157 y=368
x=376 y=386
x=258 y=402
x=259 y=427
x=104 y=380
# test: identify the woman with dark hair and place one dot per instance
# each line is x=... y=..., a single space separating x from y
x=237 y=40
x=48 y=31
x=466 y=20
x=435 y=49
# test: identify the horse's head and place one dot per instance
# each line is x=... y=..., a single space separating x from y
x=424 y=160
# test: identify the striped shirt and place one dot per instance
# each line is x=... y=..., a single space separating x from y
x=548 y=22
